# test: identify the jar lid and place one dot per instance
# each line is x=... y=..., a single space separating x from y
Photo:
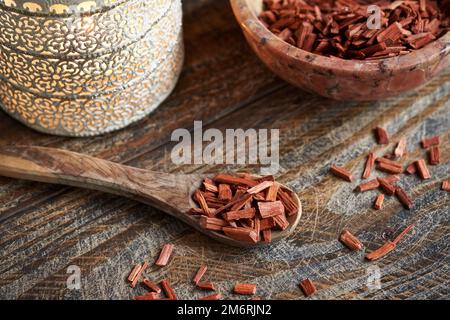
x=59 y=7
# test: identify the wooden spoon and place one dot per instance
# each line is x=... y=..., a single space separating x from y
x=170 y=193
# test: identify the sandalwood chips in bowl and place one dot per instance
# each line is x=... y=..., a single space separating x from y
x=349 y=50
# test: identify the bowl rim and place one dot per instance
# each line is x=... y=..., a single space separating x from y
x=251 y=24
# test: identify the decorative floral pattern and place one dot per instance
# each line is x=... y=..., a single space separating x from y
x=88 y=94
x=86 y=76
x=60 y=7
x=84 y=117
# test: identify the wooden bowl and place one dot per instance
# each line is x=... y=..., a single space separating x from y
x=338 y=78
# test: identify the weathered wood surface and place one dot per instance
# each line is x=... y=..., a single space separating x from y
x=44 y=229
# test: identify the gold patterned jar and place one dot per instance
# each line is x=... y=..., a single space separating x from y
x=82 y=68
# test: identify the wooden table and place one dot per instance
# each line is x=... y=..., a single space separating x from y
x=44 y=228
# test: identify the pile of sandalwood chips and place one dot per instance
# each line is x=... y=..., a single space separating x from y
x=391 y=164
x=348 y=29
x=244 y=207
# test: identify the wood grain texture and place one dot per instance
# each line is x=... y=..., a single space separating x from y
x=45 y=229
x=167 y=192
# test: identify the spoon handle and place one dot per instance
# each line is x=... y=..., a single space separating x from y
x=167 y=192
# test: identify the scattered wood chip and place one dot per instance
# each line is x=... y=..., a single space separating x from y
x=149 y=296
x=206 y=286
x=164 y=257
x=381 y=252
x=388 y=246
x=308 y=287
x=235 y=204
x=225 y=192
x=168 y=290
x=385 y=167
x=291 y=208
x=138 y=275
x=422 y=169
x=281 y=221
x=379 y=201
x=257 y=227
x=393 y=178
x=212 y=223
x=260 y=187
x=400 y=150
x=411 y=168
x=381 y=135
x=387 y=187
x=246 y=198
x=151 y=285
x=435 y=156
x=266 y=224
x=200 y=273
x=430 y=142
x=233 y=180
x=390 y=162
x=446 y=185
x=134 y=272
x=370 y=162
x=209 y=185
x=341 y=173
x=403 y=198
x=241 y=234
x=370 y=185
x=245 y=288
x=272 y=192
x=350 y=241
x=240 y=214
x=201 y=201
x=267 y=236
x=270 y=209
